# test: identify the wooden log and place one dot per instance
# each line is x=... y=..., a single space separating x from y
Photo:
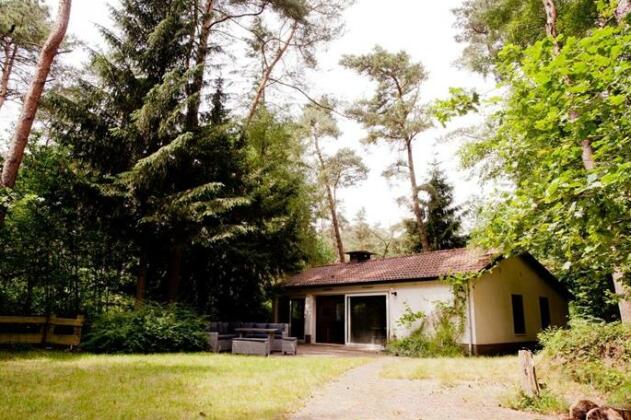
x=529 y=382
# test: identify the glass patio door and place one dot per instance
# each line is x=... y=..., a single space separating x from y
x=330 y=319
x=297 y=318
x=368 y=319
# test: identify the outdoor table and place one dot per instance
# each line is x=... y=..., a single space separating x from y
x=269 y=331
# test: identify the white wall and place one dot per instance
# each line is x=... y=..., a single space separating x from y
x=419 y=296
x=492 y=306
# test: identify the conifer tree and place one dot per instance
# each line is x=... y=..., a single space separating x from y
x=443 y=223
x=161 y=180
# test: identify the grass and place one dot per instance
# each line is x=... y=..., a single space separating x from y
x=546 y=403
x=451 y=370
x=55 y=385
x=558 y=388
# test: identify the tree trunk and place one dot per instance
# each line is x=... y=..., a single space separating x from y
x=623 y=9
x=195 y=88
x=141 y=281
x=332 y=205
x=174 y=273
x=268 y=72
x=624 y=304
x=551 y=22
x=32 y=98
x=7 y=67
x=587 y=155
x=336 y=225
x=416 y=206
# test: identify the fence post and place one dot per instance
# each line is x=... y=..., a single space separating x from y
x=529 y=382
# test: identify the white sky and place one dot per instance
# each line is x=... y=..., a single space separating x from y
x=423 y=28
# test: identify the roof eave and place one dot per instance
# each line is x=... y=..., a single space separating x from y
x=359 y=283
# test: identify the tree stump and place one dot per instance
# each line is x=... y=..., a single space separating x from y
x=529 y=382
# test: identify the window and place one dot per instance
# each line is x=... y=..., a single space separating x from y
x=519 y=323
x=544 y=309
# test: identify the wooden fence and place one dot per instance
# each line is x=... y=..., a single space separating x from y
x=41 y=330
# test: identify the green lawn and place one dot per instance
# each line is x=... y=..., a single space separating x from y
x=448 y=370
x=559 y=389
x=55 y=385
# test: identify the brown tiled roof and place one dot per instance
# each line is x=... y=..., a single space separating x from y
x=424 y=266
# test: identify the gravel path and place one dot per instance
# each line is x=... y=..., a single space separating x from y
x=362 y=393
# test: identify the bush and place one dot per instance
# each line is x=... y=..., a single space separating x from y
x=441 y=341
x=151 y=329
x=594 y=353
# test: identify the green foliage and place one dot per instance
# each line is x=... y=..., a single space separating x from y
x=460 y=102
x=150 y=329
x=487 y=26
x=439 y=340
x=410 y=317
x=577 y=220
x=394 y=112
x=594 y=353
x=381 y=240
x=444 y=218
x=24 y=23
x=207 y=211
x=55 y=257
x=24 y=26
x=546 y=403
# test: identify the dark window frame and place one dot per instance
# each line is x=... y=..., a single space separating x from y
x=519 y=315
x=544 y=312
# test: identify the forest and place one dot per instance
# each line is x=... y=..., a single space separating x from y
x=154 y=174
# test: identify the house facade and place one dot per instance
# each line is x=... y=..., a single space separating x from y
x=361 y=302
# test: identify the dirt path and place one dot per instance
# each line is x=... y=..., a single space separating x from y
x=363 y=394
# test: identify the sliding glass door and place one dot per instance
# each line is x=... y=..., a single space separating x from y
x=330 y=319
x=368 y=319
x=297 y=318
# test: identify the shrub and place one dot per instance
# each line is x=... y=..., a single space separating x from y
x=150 y=329
x=441 y=341
x=594 y=353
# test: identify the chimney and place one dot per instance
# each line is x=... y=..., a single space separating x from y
x=359 y=256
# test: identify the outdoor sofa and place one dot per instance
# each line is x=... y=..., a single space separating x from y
x=221 y=334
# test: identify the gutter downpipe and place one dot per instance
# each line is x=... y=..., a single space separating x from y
x=469 y=318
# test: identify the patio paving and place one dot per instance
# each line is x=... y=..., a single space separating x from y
x=337 y=351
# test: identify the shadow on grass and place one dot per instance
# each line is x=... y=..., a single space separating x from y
x=40 y=383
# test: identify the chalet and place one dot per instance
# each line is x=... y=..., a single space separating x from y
x=360 y=302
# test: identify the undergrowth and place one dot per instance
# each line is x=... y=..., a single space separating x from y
x=440 y=340
x=593 y=353
x=547 y=402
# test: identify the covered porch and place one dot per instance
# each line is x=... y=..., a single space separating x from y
x=359 y=320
